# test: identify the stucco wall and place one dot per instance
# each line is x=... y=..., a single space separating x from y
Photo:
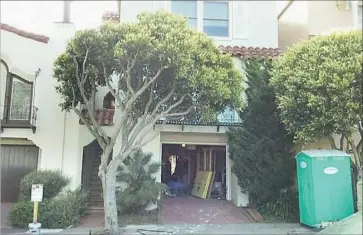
x=304 y=18
x=333 y=18
x=261 y=21
x=23 y=57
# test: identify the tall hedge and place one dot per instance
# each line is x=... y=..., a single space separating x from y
x=260 y=148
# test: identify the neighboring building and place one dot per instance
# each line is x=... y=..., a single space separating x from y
x=57 y=140
x=301 y=20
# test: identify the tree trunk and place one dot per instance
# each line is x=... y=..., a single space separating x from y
x=109 y=198
x=354 y=182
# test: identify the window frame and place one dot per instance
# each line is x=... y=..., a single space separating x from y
x=200 y=17
x=8 y=96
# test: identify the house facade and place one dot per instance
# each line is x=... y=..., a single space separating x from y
x=301 y=20
x=47 y=138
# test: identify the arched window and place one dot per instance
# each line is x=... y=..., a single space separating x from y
x=16 y=97
x=109 y=101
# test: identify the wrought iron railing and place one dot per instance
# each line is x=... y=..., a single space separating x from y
x=229 y=116
x=19 y=114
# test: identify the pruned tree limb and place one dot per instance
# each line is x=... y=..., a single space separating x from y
x=332 y=142
x=341 y=143
x=87 y=103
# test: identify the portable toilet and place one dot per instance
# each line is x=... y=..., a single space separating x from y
x=325 y=186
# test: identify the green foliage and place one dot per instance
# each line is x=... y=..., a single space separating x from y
x=141 y=187
x=53 y=182
x=189 y=63
x=284 y=206
x=318 y=84
x=260 y=148
x=60 y=212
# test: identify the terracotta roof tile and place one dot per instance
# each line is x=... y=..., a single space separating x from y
x=104 y=117
x=25 y=34
x=252 y=52
x=111 y=16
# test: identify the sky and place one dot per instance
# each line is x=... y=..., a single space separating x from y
x=38 y=16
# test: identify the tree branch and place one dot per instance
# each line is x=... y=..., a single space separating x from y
x=341 y=143
x=90 y=129
x=360 y=144
x=86 y=101
x=84 y=74
x=107 y=79
x=332 y=142
x=146 y=85
x=129 y=77
x=151 y=98
x=355 y=153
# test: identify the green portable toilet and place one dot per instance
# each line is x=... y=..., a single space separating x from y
x=325 y=186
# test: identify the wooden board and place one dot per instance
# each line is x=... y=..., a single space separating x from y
x=202 y=184
x=211 y=184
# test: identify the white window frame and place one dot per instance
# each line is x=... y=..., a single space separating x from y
x=200 y=10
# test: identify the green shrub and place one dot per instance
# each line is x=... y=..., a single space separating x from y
x=285 y=206
x=61 y=212
x=53 y=182
x=142 y=188
x=260 y=147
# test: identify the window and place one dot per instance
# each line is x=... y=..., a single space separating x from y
x=20 y=101
x=216 y=19
x=211 y=17
x=187 y=9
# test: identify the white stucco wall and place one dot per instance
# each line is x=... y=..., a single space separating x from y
x=262 y=27
x=304 y=18
x=23 y=57
x=59 y=136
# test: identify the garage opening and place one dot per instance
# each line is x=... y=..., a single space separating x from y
x=16 y=161
x=197 y=170
x=200 y=173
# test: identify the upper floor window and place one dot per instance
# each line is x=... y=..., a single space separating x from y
x=187 y=9
x=211 y=17
x=16 y=97
x=216 y=19
x=20 y=99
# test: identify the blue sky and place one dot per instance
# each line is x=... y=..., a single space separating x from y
x=38 y=16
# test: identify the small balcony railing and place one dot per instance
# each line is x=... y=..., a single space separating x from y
x=103 y=117
x=229 y=116
x=18 y=116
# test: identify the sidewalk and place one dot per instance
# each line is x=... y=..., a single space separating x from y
x=243 y=228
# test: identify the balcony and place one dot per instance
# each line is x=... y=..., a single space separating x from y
x=228 y=118
x=22 y=117
x=103 y=117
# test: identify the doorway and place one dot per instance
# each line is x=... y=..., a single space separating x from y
x=185 y=163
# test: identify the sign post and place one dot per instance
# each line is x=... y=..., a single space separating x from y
x=36 y=197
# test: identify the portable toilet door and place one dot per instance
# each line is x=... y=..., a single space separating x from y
x=326 y=187
x=305 y=189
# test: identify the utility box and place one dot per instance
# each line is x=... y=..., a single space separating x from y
x=325 y=187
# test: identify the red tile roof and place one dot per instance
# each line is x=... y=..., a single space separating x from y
x=25 y=34
x=111 y=16
x=104 y=117
x=251 y=52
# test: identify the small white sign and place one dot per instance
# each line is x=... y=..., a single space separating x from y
x=330 y=170
x=303 y=164
x=37 y=193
